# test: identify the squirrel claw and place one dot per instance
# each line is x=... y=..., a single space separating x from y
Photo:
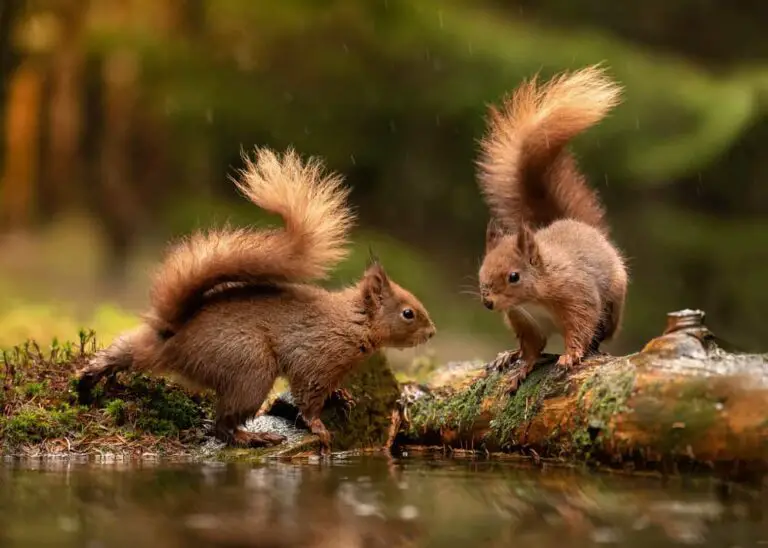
x=504 y=360
x=515 y=378
x=345 y=397
x=567 y=361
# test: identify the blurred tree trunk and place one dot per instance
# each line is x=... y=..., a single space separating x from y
x=63 y=160
x=19 y=112
x=9 y=12
x=22 y=138
x=118 y=208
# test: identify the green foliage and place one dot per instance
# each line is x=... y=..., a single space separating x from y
x=116 y=410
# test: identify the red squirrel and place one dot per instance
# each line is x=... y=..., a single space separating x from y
x=549 y=265
x=231 y=309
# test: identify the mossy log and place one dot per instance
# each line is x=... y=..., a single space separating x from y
x=681 y=401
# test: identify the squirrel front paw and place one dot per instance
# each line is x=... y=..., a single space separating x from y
x=567 y=361
x=345 y=397
x=505 y=360
x=515 y=377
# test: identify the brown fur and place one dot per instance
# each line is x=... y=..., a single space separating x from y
x=526 y=172
x=569 y=272
x=237 y=338
x=313 y=206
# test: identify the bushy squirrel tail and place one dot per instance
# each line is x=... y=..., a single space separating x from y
x=526 y=172
x=313 y=206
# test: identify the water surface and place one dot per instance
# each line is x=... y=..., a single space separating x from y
x=366 y=501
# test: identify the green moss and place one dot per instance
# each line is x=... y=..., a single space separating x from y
x=39 y=403
x=543 y=382
x=32 y=389
x=376 y=391
x=457 y=410
x=31 y=424
x=116 y=410
x=601 y=398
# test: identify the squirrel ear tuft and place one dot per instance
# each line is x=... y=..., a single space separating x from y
x=526 y=245
x=373 y=259
x=494 y=232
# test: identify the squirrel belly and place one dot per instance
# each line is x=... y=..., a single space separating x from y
x=540 y=318
x=231 y=309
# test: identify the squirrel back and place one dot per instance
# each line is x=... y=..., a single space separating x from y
x=317 y=220
x=526 y=172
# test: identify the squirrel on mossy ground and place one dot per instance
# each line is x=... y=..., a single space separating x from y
x=231 y=309
x=549 y=265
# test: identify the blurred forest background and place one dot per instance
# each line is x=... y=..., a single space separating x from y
x=122 y=120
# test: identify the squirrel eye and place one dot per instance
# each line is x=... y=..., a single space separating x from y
x=408 y=314
x=513 y=277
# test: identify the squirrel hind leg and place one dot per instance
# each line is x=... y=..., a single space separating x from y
x=240 y=401
x=607 y=327
x=601 y=334
x=228 y=429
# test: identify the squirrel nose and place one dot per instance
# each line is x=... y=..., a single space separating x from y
x=488 y=303
x=431 y=332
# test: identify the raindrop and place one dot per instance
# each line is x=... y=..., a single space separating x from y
x=409 y=512
x=440 y=17
x=606 y=535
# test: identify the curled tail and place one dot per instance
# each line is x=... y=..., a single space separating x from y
x=313 y=206
x=526 y=172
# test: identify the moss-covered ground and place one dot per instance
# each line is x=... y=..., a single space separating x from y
x=131 y=413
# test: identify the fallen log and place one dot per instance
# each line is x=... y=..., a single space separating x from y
x=681 y=401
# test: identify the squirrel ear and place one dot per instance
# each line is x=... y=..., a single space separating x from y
x=526 y=245
x=375 y=286
x=494 y=232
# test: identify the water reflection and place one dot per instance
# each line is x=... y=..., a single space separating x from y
x=364 y=502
